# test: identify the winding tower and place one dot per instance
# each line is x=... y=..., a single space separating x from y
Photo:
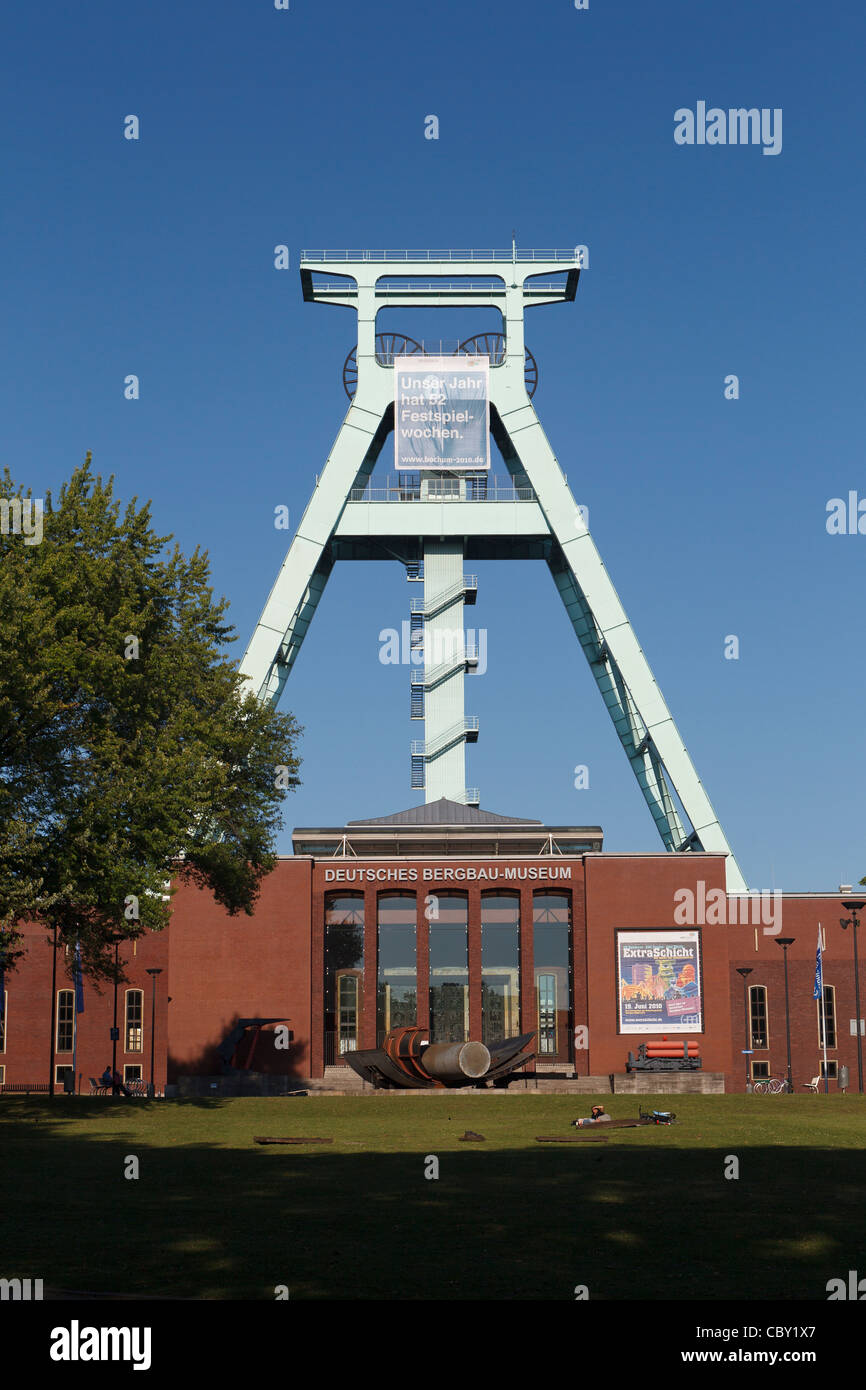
x=436 y=522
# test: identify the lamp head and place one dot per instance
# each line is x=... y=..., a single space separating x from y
x=785 y=940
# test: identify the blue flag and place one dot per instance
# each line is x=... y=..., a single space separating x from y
x=79 y=982
x=819 y=971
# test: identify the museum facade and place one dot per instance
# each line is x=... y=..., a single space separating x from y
x=471 y=925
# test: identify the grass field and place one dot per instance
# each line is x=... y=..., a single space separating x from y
x=649 y=1214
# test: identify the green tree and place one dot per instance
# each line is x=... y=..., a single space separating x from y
x=129 y=752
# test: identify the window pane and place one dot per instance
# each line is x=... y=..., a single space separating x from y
x=134 y=1012
x=500 y=966
x=827 y=1016
x=396 y=977
x=552 y=933
x=65 y=1020
x=449 y=970
x=758 y=1017
x=344 y=972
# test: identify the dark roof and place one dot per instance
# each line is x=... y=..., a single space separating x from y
x=445 y=812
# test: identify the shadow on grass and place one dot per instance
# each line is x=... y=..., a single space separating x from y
x=204 y=1220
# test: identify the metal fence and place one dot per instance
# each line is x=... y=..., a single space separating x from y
x=568 y=254
x=393 y=488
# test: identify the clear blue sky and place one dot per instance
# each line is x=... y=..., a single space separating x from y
x=306 y=128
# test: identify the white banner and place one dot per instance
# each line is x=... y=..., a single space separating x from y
x=442 y=413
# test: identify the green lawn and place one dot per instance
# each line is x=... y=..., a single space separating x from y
x=649 y=1214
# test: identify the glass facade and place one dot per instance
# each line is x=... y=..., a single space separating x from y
x=553 y=995
x=451 y=988
x=449 y=968
x=344 y=972
x=500 y=966
x=397 y=972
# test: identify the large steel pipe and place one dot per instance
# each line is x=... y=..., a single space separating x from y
x=456 y=1061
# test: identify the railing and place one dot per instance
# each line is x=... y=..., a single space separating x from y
x=427 y=607
x=467 y=656
x=392 y=488
x=443 y=347
x=422 y=748
x=510 y=255
x=333 y=1056
x=494 y=284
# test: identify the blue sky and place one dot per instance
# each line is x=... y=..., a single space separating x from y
x=306 y=127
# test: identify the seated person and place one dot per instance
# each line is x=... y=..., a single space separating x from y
x=597 y=1116
x=117 y=1084
x=106 y=1078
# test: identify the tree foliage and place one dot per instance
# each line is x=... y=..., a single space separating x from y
x=129 y=751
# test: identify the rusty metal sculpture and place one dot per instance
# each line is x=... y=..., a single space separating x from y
x=408 y=1059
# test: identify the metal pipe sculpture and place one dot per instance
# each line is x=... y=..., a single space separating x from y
x=408 y=1059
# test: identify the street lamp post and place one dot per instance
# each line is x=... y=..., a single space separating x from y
x=785 y=942
x=114 y=1033
x=153 y=972
x=746 y=970
x=53 y=1013
x=845 y=923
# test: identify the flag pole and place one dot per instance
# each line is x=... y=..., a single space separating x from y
x=823 y=1014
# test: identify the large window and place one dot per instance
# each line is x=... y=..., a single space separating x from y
x=344 y=973
x=552 y=937
x=65 y=1020
x=134 y=1010
x=758 y=1019
x=396 y=976
x=500 y=966
x=827 y=1016
x=449 y=968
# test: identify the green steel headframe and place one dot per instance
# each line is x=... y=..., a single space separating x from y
x=437 y=524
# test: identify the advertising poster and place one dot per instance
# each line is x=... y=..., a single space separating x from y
x=442 y=412
x=659 y=982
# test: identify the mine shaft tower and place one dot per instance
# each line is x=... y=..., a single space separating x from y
x=435 y=522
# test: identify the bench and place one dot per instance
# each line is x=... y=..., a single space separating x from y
x=18 y=1088
x=133 y=1088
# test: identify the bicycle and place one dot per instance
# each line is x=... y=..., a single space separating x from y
x=770 y=1086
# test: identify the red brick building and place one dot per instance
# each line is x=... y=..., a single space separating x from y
x=472 y=925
